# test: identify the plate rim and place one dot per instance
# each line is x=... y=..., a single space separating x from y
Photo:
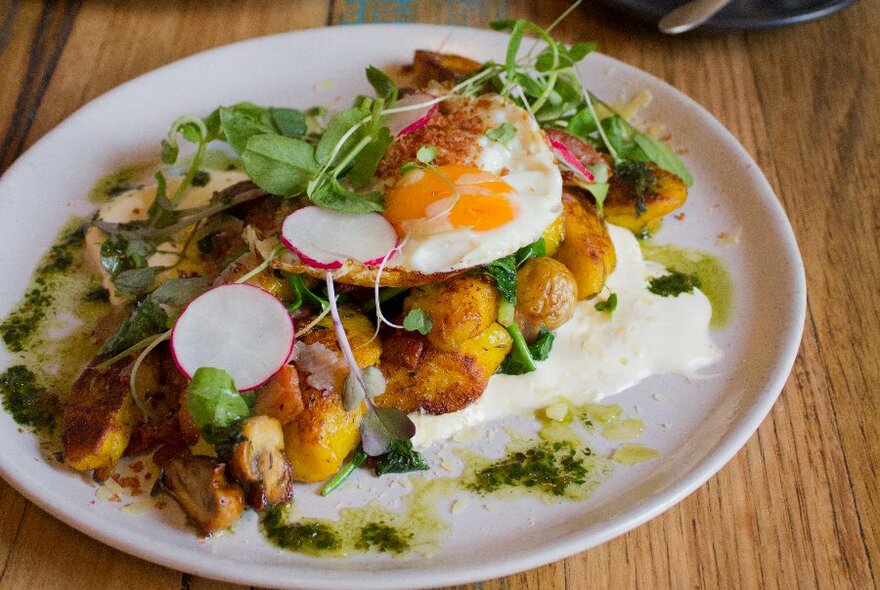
x=559 y=548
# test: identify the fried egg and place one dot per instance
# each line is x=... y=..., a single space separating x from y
x=484 y=198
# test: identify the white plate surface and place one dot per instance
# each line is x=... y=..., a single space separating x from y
x=706 y=420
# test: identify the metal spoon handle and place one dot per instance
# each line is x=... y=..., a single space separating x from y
x=690 y=15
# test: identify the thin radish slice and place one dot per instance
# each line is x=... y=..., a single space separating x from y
x=563 y=153
x=408 y=121
x=325 y=239
x=239 y=328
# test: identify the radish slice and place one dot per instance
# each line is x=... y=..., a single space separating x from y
x=563 y=153
x=408 y=121
x=325 y=239
x=239 y=328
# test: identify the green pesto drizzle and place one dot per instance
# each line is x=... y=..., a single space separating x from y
x=28 y=402
x=714 y=279
x=120 y=181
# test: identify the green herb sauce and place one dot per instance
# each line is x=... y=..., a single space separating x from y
x=29 y=404
x=673 y=284
x=714 y=279
x=120 y=181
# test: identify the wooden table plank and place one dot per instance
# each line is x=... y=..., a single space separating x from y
x=798 y=506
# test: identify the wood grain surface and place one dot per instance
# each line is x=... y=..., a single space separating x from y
x=799 y=505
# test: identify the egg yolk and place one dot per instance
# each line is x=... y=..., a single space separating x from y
x=464 y=195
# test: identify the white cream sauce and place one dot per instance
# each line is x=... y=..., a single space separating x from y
x=596 y=355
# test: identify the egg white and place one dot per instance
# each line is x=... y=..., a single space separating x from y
x=528 y=165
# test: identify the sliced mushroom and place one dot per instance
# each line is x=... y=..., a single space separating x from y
x=259 y=461
x=199 y=485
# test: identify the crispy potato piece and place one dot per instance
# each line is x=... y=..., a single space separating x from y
x=281 y=397
x=259 y=461
x=587 y=250
x=200 y=487
x=99 y=415
x=431 y=66
x=553 y=235
x=318 y=439
x=321 y=436
x=460 y=309
x=546 y=295
x=622 y=206
x=440 y=381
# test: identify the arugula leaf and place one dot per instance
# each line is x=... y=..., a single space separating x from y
x=400 y=458
x=660 y=153
x=279 y=165
x=335 y=196
x=213 y=401
x=382 y=426
x=503 y=271
x=384 y=86
x=608 y=305
x=502 y=134
x=418 y=320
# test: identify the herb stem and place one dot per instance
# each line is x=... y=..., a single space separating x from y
x=521 y=348
x=343 y=474
x=260 y=267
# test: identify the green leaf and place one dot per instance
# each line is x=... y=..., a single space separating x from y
x=239 y=125
x=540 y=348
x=502 y=25
x=382 y=426
x=169 y=152
x=147 y=319
x=582 y=124
x=338 y=126
x=400 y=458
x=302 y=295
x=533 y=250
x=418 y=320
x=279 y=165
x=502 y=134
x=136 y=280
x=290 y=122
x=363 y=168
x=213 y=401
x=174 y=294
x=343 y=474
x=503 y=271
x=335 y=196
x=383 y=85
x=426 y=154
x=516 y=36
x=519 y=359
x=608 y=305
x=660 y=153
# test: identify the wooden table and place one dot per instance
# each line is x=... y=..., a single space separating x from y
x=799 y=506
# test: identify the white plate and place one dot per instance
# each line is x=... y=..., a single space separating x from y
x=706 y=420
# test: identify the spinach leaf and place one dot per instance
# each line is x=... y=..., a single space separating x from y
x=213 y=401
x=400 y=458
x=503 y=271
x=147 y=319
x=533 y=250
x=521 y=358
x=136 y=280
x=279 y=165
